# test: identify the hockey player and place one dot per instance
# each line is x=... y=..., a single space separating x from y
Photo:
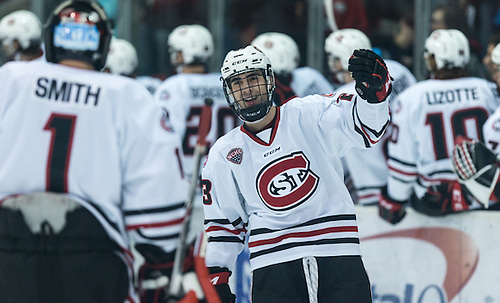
x=88 y=167
x=367 y=168
x=122 y=58
x=428 y=117
x=291 y=80
x=476 y=163
x=183 y=94
x=21 y=36
x=278 y=180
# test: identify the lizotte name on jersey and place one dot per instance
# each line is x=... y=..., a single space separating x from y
x=452 y=95
x=67 y=92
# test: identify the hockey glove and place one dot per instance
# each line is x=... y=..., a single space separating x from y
x=373 y=82
x=390 y=210
x=219 y=277
x=476 y=168
x=154 y=274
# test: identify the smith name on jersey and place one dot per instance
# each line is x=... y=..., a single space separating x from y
x=91 y=141
x=287 y=193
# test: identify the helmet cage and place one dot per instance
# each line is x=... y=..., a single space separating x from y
x=78 y=30
x=248 y=85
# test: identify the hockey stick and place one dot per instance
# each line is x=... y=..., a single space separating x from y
x=175 y=287
x=328 y=4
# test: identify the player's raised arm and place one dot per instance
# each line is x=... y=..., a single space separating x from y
x=373 y=85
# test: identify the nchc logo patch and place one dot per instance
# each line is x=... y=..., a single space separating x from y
x=235 y=155
x=286 y=182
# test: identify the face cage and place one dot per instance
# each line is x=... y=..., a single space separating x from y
x=249 y=89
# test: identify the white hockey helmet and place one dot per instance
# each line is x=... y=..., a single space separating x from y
x=22 y=26
x=239 y=62
x=122 y=57
x=193 y=41
x=281 y=50
x=495 y=55
x=450 y=48
x=342 y=43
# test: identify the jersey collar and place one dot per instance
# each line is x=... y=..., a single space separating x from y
x=274 y=128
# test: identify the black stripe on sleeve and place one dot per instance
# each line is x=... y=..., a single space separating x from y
x=298 y=244
x=227 y=239
x=154 y=210
x=260 y=231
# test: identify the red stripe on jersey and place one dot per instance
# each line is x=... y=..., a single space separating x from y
x=305 y=234
x=155 y=225
x=219 y=228
x=401 y=172
x=129 y=299
x=273 y=134
x=368 y=136
x=369 y=196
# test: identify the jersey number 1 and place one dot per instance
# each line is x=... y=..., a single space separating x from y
x=62 y=128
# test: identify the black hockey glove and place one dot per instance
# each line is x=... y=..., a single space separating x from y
x=219 y=277
x=477 y=168
x=154 y=274
x=373 y=82
x=390 y=210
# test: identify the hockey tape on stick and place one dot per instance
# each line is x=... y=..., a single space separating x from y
x=175 y=289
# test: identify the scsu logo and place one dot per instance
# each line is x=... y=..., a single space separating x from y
x=286 y=182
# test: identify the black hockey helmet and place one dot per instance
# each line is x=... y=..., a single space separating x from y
x=78 y=30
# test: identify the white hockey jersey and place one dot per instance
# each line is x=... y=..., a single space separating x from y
x=308 y=81
x=98 y=137
x=183 y=96
x=287 y=193
x=368 y=167
x=427 y=118
x=151 y=83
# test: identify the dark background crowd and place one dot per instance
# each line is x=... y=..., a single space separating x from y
x=390 y=25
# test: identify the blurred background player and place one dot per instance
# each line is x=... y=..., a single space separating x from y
x=268 y=180
x=21 y=36
x=291 y=80
x=475 y=164
x=488 y=63
x=183 y=95
x=428 y=117
x=122 y=60
x=366 y=168
x=88 y=168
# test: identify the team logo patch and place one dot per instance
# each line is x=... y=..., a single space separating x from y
x=286 y=182
x=235 y=155
x=165 y=121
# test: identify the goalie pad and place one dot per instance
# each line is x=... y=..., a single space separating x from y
x=41 y=207
x=476 y=168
